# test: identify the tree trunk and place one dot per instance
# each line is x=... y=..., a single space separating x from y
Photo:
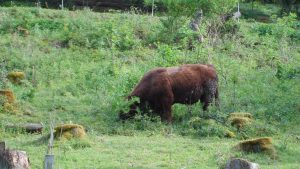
x=14 y=159
x=195 y=22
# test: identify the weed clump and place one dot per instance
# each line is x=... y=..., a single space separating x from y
x=69 y=131
x=16 y=77
x=229 y=134
x=257 y=145
x=209 y=127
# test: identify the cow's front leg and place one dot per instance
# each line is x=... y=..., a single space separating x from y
x=163 y=107
x=166 y=114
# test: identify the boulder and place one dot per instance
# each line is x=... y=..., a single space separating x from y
x=238 y=163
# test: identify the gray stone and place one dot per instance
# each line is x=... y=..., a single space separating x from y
x=238 y=163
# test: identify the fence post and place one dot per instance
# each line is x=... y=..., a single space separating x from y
x=49 y=157
x=49 y=161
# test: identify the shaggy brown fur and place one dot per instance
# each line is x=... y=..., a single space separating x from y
x=160 y=88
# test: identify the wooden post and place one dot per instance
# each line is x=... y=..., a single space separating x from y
x=49 y=157
x=49 y=161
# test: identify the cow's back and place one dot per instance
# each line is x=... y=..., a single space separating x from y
x=188 y=81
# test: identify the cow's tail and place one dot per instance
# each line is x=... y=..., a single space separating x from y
x=217 y=99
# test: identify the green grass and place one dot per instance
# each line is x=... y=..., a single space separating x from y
x=80 y=65
x=153 y=151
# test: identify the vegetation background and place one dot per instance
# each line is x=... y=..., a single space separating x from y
x=80 y=64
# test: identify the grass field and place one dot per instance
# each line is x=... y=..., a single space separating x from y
x=79 y=66
x=154 y=151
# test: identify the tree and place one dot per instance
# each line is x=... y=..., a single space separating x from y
x=190 y=7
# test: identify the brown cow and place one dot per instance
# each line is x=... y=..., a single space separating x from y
x=160 y=88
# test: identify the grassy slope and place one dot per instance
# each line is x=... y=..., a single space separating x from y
x=83 y=68
x=156 y=151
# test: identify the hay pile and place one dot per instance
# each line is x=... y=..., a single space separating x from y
x=69 y=131
x=7 y=102
x=16 y=77
x=239 y=120
x=257 y=145
x=8 y=96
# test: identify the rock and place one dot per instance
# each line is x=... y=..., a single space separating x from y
x=238 y=163
x=33 y=127
x=28 y=127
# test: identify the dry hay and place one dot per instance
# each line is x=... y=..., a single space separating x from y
x=7 y=102
x=240 y=114
x=11 y=108
x=69 y=131
x=8 y=95
x=16 y=77
x=239 y=120
x=257 y=145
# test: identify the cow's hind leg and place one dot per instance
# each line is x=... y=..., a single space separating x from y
x=210 y=93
